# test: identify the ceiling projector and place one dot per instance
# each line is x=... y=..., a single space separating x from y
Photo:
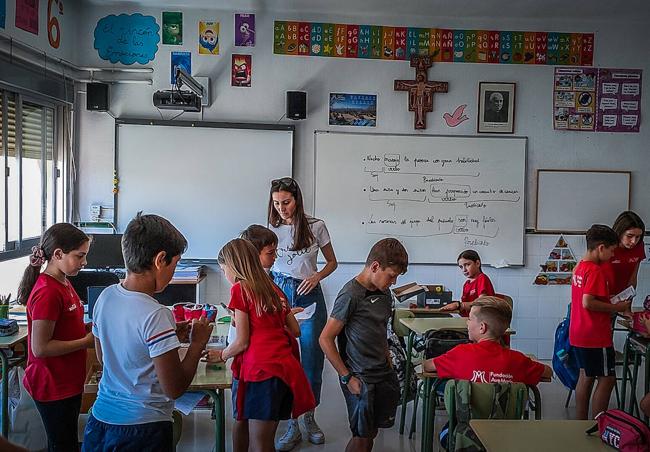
x=177 y=99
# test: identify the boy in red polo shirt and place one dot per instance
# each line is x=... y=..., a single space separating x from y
x=486 y=360
x=590 y=330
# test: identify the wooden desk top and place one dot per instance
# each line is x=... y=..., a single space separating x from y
x=422 y=325
x=537 y=436
x=10 y=341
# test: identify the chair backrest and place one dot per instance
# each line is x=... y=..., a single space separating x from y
x=400 y=329
x=486 y=401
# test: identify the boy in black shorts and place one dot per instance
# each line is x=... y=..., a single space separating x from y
x=359 y=320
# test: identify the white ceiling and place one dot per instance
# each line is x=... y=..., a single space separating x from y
x=619 y=10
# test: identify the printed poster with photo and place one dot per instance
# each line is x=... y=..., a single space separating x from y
x=619 y=100
x=172 y=28
x=27 y=15
x=574 y=99
x=245 y=30
x=357 y=110
x=208 y=38
x=242 y=70
x=182 y=60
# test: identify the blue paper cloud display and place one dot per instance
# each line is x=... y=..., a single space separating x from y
x=127 y=39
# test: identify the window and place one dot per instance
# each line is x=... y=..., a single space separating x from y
x=32 y=189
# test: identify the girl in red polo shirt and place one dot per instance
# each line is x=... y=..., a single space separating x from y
x=622 y=269
x=269 y=383
x=57 y=338
x=477 y=283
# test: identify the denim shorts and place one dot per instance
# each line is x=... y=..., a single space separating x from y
x=374 y=407
x=150 y=437
x=597 y=362
x=267 y=400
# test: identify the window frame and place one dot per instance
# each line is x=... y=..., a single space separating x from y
x=22 y=246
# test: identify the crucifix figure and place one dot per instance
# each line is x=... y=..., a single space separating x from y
x=421 y=90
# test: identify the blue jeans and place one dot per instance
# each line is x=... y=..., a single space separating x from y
x=311 y=355
x=151 y=437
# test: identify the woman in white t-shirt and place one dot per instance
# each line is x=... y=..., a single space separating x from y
x=300 y=237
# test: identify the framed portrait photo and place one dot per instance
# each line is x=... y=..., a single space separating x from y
x=496 y=107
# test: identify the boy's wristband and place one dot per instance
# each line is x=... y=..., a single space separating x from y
x=345 y=379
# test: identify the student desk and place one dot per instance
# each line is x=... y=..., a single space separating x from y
x=213 y=382
x=636 y=347
x=7 y=343
x=537 y=436
x=420 y=326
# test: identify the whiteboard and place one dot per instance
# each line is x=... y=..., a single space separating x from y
x=210 y=180
x=571 y=201
x=440 y=195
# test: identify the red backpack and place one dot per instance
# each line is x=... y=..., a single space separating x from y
x=622 y=431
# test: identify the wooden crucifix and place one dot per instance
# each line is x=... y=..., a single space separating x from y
x=421 y=90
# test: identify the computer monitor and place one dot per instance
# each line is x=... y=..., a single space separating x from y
x=105 y=251
x=93 y=295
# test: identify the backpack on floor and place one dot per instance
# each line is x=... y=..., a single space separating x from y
x=565 y=363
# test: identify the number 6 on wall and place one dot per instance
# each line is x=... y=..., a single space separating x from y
x=52 y=23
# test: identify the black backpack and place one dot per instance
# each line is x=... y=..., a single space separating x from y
x=441 y=341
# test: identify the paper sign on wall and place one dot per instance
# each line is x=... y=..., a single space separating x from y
x=3 y=12
x=209 y=38
x=601 y=100
x=127 y=39
x=182 y=60
x=242 y=70
x=245 y=30
x=27 y=15
x=172 y=28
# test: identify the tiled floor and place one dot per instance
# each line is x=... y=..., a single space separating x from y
x=198 y=429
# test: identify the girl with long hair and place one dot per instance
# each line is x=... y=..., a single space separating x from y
x=300 y=238
x=57 y=337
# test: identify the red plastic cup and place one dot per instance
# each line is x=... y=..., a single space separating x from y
x=193 y=311
x=179 y=312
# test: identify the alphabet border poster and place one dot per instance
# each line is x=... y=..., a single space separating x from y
x=442 y=45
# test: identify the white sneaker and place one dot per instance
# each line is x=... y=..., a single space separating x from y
x=291 y=437
x=314 y=433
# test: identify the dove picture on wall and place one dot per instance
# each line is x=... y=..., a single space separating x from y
x=457 y=117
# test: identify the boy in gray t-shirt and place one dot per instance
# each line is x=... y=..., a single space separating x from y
x=359 y=322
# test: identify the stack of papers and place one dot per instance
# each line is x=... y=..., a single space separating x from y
x=624 y=295
x=189 y=273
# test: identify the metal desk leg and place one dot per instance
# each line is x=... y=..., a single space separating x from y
x=633 y=382
x=5 y=393
x=626 y=366
x=407 y=381
x=538 y=402
x=219 y=418
x=426 y=413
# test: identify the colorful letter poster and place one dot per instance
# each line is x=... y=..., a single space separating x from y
x=443 y=45
x=208 y=38
x=353 y=110
x=172 y=28
x=245 y=30
x=574 y=99
x=242 y=70
x=619 y=100
x=27 y=15
x=600 y=100
x=3 y=12
x=181 y=60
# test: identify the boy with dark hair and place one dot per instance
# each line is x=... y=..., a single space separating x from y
x=136 y=341
x=359 y=320
x=486 y=360
x=265 y=241
x=590 y=328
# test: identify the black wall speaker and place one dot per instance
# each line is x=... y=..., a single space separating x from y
x=97 y=96
x=296 y=104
